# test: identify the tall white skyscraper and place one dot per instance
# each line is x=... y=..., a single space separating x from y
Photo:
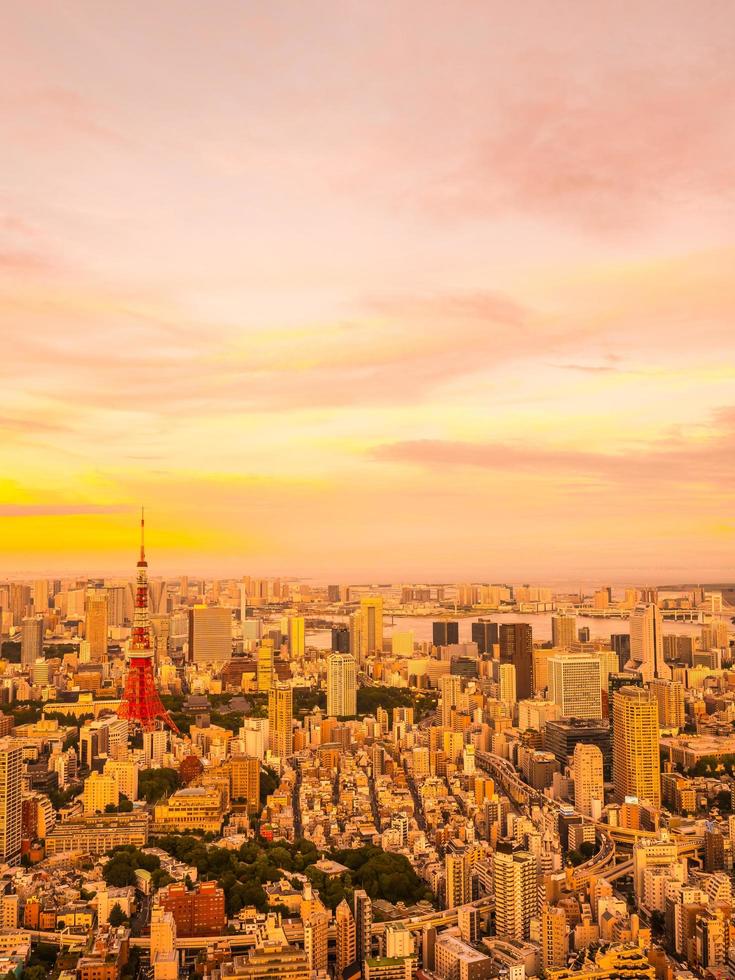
x=371 y=622
x=341 y=685
x=515 y=875
x=575 y=685
x=646 y=642
x=210 y=634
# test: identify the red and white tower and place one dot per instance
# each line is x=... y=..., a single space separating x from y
x=141 y=703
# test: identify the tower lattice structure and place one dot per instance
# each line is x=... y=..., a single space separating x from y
x=141 y=704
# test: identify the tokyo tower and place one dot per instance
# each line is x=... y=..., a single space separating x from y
x=141 y=703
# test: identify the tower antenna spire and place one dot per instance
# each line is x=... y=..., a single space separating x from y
x=142 y=534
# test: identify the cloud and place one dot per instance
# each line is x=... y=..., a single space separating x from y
x=678 y=461
x=60 y=510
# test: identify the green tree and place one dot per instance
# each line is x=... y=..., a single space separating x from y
x=117 y=916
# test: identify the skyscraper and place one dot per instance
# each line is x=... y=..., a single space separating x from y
x=95 y=631
x=563 y=630
x=31 y=640
x=485 y=635
x=516 y=647
x=371 y=615
x=445 y=632
x=575 y=685
x=210 y=634
x=588 y=777
x=636 y=763
x=264 y=665
x=515 y=876
x=280 y=720
x=458 y=881
x=11 y=807
x=363 y=909
x=554 y=944
x=296 y=637
x=670 y=699
x=346 y=939
x=341 y=639
x=341 y=685
x=620 y=643
x=450 y=688
x=646 y=642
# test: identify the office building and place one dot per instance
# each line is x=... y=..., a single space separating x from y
x=245 y=781
x=562 y=735
x=31 y=640
x=296 y=637
x=588 y=778
x=636 y=762
x=341 y=685
x=563 y=630
x=280 y=720
x=516 y=647
x=11 y=805
x=646 y=643
x=515 y=875
x=264 y=665
x=210 y=634
x=445 y=632
x=575 y=685
x=485 y=635
x=95 y=631
x=371 y=628
x=340 y=639
x=506 y=680
x=620 y=643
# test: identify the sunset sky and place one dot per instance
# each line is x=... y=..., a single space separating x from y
x=391 y=290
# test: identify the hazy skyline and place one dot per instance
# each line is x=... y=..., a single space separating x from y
x=349 y=290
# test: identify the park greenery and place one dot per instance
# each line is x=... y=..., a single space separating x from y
x=154 y=784
x=244 y=873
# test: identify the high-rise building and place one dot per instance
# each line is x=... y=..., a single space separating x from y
x=341 y=685
x=588 y=777
x=11 y=804
x=371 y=626
x=515 y=875
x=563 y=630
x=507 y=685
x=296 y=637
x=516 y=647
x=210 y=634
x=485 y=635
x=636 y=762
x=363 y=912
x=264 y=666
x=457 y=875
x=445 y=632
x=245 y=780
x=340 y=639
x=450 y=688
x=40 y=595
x=563 y=734
x=280 y=720
x=646 y=642
x=575 y=685
x=620 y=643
x=346 y=939
x=31 y=640
x=670 y=698
x=355 y=628
x=95 y=631
x=554 y=944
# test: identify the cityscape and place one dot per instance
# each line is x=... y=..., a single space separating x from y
x=367 y=454
x=259 y=777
